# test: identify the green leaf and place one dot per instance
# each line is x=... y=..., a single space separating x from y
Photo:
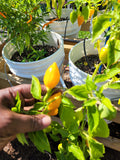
x=107 y=113
x=90 y=84
x=113 y=51
x=85 y=12
x=59 y=9
x=84 y=34
x=102 y=129
x=79 y=115
x=36 y=88
x=96 y=149
x=90 y=102
x=21 y=138
x=100 y=24
x=17 y=107
x=109 y=74
x=73 y=16
x=76 y=151
x=108 y=103
x=40 y=140
x=115 y=85
x=93 y=119
x=78 y=92
x=68 y=118
x=67 y=102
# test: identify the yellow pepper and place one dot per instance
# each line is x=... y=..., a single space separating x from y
x=54 y=103
x=52 y=76
x=91 y=12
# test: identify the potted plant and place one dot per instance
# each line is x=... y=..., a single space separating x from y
x=69 y=129
x=59 y=15
x=23 y=22
x=78 y=75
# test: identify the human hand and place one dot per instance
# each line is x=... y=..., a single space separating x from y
x=12 y=123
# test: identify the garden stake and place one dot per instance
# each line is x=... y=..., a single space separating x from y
x=66 y=27
x=85 y=53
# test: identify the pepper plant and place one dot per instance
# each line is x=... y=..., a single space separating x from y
x=78 y=127
x=57 y=5
x=22 y=20
x=76 y=140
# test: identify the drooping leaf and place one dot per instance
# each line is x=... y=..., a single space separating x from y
x=36 y=88
x=21 y=138
x=106 y=101
x=114 y=51
x=107 y=113
x=67 y=102
x=101 y=23
x=96 y=149
x=68 y=118
x=93 y=118
x=76 y=151
x=115 y=85
x=102 y=129
x=40 y=140
x=85 y=12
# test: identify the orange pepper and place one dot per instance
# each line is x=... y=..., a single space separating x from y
x=54 y=101
x=53 y=112
x=2 y=15
x=46 y=24
x=52 y=76
x=80 y=20
x=29 y=19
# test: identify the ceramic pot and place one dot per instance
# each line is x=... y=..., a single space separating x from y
x=36 y=68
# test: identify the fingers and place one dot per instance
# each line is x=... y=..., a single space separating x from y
x=28 y=123
x=24 y=90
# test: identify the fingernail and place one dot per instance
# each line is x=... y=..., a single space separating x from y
x=46 y=121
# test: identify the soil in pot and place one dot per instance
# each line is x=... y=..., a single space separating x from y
x=87 y=63
x=40 y=52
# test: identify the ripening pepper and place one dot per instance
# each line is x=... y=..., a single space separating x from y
x=103 y=54
x=80 y=20
x=54 y=101
x=52 y=76
x=53 y=112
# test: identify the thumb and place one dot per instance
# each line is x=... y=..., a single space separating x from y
x=30 y=123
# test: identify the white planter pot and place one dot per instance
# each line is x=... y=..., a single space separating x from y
x=78 y=76
x=59 y=26
x=36 y=68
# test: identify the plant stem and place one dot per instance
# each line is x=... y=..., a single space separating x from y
x=97 y=68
